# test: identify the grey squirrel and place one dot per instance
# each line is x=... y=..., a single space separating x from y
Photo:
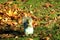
x=27 y=23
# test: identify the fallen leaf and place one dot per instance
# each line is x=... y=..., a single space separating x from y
x=48 y=5
x=29 y=39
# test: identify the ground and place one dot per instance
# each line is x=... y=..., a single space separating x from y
x=48 y=12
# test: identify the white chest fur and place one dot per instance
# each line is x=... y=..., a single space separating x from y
x=29 y=30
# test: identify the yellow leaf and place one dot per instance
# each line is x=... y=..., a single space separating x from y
x=9 y=13
x=0 y=17
x=15 y=13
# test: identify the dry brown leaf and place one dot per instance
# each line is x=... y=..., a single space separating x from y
x=48 y=5
x=34 y=23
x=52 y=11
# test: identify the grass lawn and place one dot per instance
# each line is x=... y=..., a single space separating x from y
x=48 y=11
